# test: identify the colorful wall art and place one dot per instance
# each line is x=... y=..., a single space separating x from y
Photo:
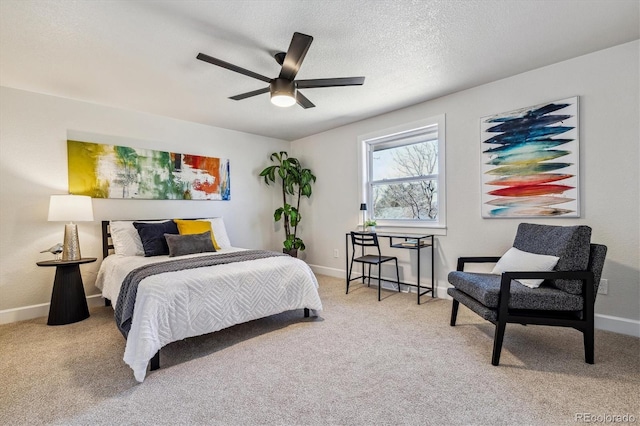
x=530 y=162
x=110 y=171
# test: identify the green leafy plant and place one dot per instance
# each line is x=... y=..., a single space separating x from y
x=296 y=183
x=370 y=222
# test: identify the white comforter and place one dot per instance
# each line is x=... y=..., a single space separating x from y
x=175 y=305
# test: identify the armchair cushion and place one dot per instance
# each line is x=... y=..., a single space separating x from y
x=471 y=303
x=485 y=288
x=571 y=244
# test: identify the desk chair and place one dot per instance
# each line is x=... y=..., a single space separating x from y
x=367 y=239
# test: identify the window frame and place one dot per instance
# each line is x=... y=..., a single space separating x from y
x=395 y=137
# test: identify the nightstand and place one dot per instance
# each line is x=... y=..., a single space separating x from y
x=68 y=301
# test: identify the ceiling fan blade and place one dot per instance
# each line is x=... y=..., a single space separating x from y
x=329 y=82
x=303 y=101
x=227 y=65
x=249 y=94
x=295 y=55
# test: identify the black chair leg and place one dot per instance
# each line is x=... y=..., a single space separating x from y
x=454 y=312
x=368 y=275
x=398 y=275
x=349 y=275
x=497 y=342
x=379 y=284
x=588 y=345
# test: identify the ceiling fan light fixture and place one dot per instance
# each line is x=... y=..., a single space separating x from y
x=283 y=92
x=284 y=89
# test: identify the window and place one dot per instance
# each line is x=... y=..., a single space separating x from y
x=403 y=174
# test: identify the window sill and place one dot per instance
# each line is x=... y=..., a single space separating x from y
x=434 y=229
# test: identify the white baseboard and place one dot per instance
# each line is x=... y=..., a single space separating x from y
x=42 y=310
x=331 y=272
x=619 y=325
x=388 y=283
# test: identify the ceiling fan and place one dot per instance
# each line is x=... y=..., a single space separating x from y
x=284 y=88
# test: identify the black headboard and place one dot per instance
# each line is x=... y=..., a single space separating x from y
x=107 y=244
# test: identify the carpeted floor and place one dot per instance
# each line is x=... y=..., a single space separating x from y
x=362 y=362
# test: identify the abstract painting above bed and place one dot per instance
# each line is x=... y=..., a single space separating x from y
x=111 y=171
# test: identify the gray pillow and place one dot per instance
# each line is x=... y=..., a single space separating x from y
x=179 y=245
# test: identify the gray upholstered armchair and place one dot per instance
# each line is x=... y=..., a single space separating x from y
x=565 y=298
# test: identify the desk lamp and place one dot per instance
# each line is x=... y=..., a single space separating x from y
x=363 y=207
x=70 y=208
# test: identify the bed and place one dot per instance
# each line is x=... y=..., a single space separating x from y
x=228 y=287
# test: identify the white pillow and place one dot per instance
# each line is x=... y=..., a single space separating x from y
x=517 y=260
x=125 y=238
x=219 y=232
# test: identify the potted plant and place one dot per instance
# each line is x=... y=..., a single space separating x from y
x=370 y=225
x=296 y=183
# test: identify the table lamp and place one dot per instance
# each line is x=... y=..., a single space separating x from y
x=70 y=208
x=363 y=207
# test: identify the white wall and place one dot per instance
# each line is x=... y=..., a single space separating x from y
x=33 y=165
x=607 y=83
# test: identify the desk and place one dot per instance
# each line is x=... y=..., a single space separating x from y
x=402 y=241
x=68 y=302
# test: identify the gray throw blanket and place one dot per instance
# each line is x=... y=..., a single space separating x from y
x=129 y=289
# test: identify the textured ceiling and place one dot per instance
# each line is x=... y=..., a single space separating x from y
x=141 y=55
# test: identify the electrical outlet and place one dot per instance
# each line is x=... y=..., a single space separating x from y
x=335 y=253
x=603 y=288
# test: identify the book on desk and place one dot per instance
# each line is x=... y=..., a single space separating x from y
x=413 y=243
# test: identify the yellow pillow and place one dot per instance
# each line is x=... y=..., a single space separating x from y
x=186 y=227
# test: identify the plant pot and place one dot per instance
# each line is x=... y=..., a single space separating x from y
x=292 y=252
x=371 y=229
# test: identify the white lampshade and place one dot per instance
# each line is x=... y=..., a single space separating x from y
x=70 y=208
